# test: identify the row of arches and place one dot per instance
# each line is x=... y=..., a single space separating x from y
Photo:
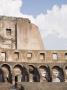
x=20 y=73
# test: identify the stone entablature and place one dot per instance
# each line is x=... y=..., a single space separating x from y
x=33 y=56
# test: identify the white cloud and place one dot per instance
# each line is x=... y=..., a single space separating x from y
x=10 y=7
x=53 y=27
x=53 y=22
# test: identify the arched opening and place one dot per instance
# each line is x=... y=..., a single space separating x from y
x=34 y=74
x=17 y=73
x=45 y=74
x=25 y=75
x=20 y=74
x=58 y=74
x=6 y=70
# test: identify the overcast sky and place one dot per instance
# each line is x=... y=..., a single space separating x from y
x=49 y=15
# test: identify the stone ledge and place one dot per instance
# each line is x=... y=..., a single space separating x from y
x=44 y=86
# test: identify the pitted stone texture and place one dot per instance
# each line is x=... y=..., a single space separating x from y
x=19 y=33
x=44 y=86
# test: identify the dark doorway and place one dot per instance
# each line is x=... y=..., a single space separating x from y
x=60 y=73
x=35 y=73
x=6 y=70
x=1 y=76
x=16 y=79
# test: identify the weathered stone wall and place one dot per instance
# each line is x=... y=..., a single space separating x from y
x=19 y=33
x=23 y=58
x=7 y=32
x=35 y=86
x=28 y=36
x=33 y=56
x=44 y=86
x=5 y=86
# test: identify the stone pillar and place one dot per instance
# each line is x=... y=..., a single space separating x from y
x=41 y=80
x=30 y=77
x=13 y=80
x=5 y=79
x=19 y=78
x=65 y=72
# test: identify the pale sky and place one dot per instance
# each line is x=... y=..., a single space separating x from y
x=49 y=15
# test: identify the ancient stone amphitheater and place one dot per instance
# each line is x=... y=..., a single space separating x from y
x=24 y=62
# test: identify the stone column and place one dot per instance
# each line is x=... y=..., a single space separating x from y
x=65 y=72
x=19 y=78
x=13 y=80
x=30 y=77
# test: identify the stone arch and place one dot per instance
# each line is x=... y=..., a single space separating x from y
x=45 y=73
x=25 y=77
x=6 y=69
x=20 y=71
x=17 y=69
x=34 y=74
x=17 y=73
x=57 y=74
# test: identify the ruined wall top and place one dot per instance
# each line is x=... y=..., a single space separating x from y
x=19 y=33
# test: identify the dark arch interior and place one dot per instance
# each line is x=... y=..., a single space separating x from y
x=1 y=76
x=61 y=73
x=66 y=67
x=24 y=72
x=9 y=79
x=25 y=76
x=48 y=74
x=18 y=66
x=33 y=70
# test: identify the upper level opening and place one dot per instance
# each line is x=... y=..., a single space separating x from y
x=8 y=32
x=65 y=55
x=55 y=56
x=29 y=55
x=42 y=56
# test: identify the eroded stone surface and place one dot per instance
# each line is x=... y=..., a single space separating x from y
x=24 y=59
x=19 y=33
